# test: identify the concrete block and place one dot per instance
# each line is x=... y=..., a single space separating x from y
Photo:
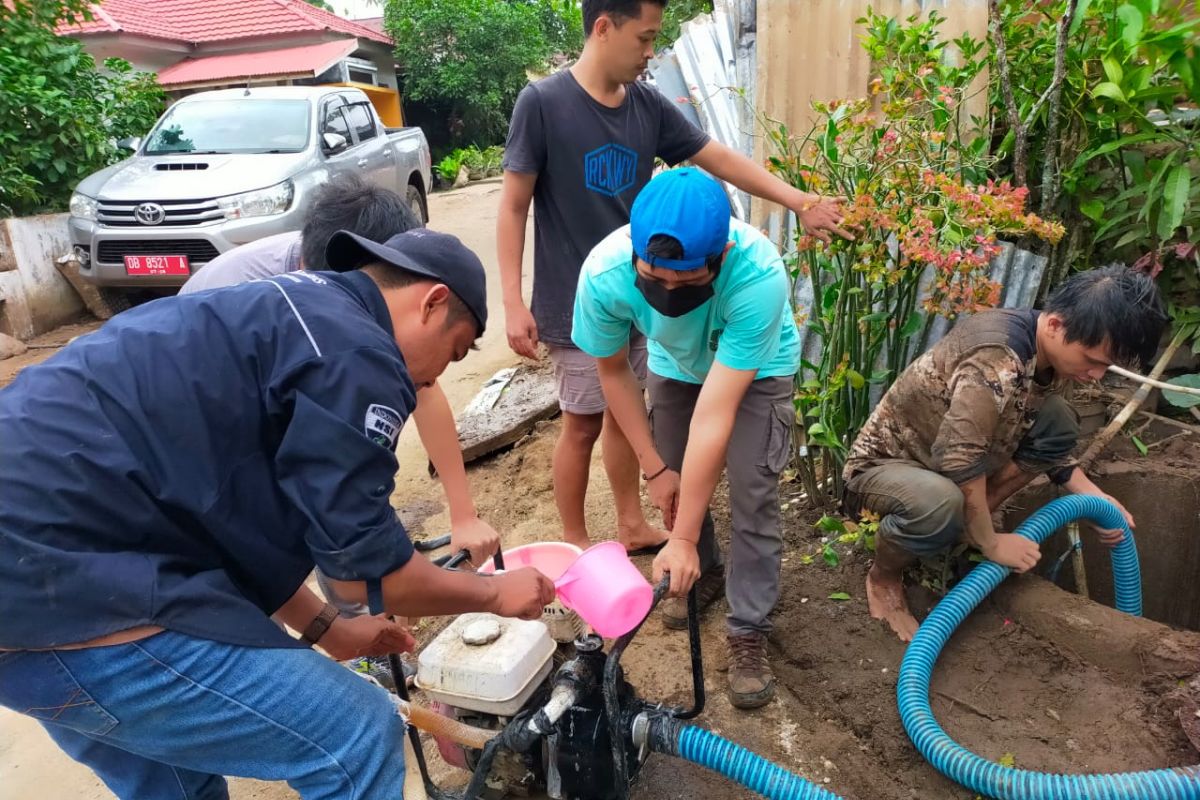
x=36 y=297
x=96 y=301
x=464 y=177
x=529 y=397
x=14 y=306
x=8 y=260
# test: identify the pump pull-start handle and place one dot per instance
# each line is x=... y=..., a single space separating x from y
x=453 y=561
x=429 y=545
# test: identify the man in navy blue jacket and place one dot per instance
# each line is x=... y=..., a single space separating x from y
x=168 y=483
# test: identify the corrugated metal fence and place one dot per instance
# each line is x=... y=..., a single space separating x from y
x=809 y=50
x=711 y=70
x=751 y=59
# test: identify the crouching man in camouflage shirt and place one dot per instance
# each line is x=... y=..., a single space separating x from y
x=983 y=413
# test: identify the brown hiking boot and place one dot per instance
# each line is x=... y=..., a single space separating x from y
x=709 y=587
x=751 y=682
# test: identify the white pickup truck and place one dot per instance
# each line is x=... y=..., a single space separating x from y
x=223 y=168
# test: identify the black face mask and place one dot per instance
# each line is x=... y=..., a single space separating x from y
x=678 y=301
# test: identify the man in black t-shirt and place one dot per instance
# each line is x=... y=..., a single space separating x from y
x=581 y=145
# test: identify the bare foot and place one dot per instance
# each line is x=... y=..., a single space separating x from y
x=640 y=536
x=582 y=542
x=885 y=599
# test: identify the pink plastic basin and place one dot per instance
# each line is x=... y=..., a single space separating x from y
x=551 y=559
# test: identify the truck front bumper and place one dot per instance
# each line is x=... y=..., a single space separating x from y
x=102 y=249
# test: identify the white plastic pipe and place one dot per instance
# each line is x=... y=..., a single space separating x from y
x=1133 y=376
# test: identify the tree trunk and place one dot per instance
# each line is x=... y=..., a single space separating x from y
x=1020 y=133
x=1051 y=177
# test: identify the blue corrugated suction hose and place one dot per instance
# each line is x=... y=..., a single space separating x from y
x=749 y=769
x=991 y=779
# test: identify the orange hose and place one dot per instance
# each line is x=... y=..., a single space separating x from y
x=439 y=725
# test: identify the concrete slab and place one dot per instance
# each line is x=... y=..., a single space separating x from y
x=497 y=420
x=36 y=297
x=102 y=305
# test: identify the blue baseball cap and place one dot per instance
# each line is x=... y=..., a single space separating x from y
x=439 y=256
x=686 y=205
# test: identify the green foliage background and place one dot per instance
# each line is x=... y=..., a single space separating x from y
x=60 y=115
x=1126 y=147
x=468 y=59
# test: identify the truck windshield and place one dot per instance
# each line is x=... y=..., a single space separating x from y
x=235 y=125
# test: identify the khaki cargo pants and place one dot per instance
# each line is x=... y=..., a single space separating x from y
x=759 y=449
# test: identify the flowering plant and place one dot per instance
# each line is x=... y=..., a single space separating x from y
x=914 y=173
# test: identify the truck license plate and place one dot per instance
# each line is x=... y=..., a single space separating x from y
x=157 y=265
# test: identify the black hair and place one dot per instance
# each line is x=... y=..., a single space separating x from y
x=617 y=10
x=663 y=246
x=1114 y=305
x=389 y=276
x=351 y=204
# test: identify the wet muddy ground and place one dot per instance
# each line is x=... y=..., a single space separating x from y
x=1001 y=689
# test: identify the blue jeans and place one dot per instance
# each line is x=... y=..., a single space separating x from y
x=167 y=716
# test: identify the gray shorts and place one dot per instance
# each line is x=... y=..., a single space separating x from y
x=578 y=380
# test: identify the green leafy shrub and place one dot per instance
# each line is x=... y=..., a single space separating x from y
x=916 y=178
x=447 y=169
x=60 y=116
x=468 y=59
x=1125 y=144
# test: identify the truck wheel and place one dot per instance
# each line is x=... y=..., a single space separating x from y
x=417 y=204
x=115 y=300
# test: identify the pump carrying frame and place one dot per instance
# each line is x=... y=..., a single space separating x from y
x=375 y=604
x=620 y=720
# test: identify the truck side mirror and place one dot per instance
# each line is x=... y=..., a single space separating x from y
x=130 y=143
x=334 y=142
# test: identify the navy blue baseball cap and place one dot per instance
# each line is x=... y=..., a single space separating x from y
x=686 y=205
x=439 y=256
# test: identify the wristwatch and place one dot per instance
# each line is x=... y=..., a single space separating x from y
x=317 y=628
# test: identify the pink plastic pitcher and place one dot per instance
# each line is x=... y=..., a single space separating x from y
x=606 y=589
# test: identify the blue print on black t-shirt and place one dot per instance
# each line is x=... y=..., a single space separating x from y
x=610 y=169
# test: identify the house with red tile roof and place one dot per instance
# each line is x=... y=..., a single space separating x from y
x=195 y=45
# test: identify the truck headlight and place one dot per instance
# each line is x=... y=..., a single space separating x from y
x=259 y=203
x=83 y=206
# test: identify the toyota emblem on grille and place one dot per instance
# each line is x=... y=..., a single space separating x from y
x=149 y=213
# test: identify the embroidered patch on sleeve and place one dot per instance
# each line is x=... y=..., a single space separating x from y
x=382 y=425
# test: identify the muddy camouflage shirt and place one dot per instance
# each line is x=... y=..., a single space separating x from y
x=963 y=407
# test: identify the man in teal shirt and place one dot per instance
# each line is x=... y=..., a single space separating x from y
x=711 y=296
